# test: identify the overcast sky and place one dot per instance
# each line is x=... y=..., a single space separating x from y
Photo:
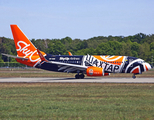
x=83 y=19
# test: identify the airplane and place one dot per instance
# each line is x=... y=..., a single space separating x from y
x=91 y=65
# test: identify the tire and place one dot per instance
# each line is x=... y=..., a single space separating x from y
x=82 y=76
x=77 y=76
x=133 y=76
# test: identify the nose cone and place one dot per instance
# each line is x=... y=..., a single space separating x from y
x=148 y=66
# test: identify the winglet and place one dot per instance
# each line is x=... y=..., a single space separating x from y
x=41 y=56
x=70 y=54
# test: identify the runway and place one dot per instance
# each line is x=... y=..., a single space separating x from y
x=73 y=80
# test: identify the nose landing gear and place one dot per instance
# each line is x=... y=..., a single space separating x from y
x=134 y=76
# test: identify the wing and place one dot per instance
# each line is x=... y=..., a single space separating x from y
x=65 y=67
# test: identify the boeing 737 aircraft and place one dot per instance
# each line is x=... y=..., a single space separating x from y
x=92 y=65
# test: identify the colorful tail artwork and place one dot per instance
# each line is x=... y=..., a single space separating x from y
x=25 y=48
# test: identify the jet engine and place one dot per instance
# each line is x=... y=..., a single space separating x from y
x=95 y=71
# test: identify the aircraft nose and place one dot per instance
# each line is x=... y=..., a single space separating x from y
x=148 y=66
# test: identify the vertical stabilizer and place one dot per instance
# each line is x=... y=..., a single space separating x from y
x=24 y=47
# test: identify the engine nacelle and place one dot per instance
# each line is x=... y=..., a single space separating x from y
x=95 y=71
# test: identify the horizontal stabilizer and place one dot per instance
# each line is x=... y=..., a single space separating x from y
x=14 y=56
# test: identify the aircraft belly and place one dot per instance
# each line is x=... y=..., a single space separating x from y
x=48 y=66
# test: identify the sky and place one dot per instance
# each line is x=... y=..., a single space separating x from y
x=78 y=19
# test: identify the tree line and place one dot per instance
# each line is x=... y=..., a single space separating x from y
x=139 y=45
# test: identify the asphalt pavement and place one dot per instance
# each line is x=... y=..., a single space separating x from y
x=73 y=80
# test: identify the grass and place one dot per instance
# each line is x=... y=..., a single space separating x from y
x=33 y=72
x=67 y=101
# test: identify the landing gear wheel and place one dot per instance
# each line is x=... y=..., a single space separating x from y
x=82 y=76
x=77 y=76
x=133 y=76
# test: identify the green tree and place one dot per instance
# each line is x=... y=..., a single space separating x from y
x=152 y=46
x=134 y=49
x=82 y=45
x=144 y=52
x=103 y=49
x=56 y=48
x=66 y=40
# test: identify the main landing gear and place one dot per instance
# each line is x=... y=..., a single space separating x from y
x=81 y=76
x=134 y=76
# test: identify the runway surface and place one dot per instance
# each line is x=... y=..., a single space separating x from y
x=73 y=80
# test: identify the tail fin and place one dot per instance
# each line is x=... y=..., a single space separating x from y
x=24 y=47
